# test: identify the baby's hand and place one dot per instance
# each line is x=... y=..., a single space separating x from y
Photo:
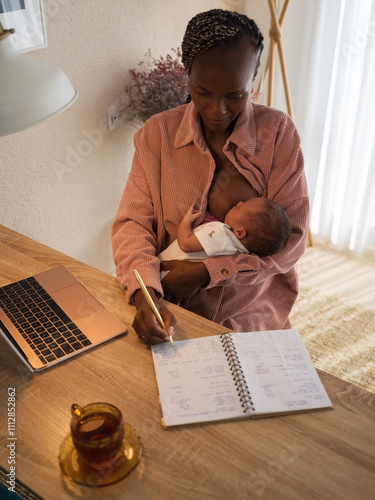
x=185 y=234
x=191 y=215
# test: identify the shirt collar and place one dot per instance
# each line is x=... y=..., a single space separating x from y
x=189 y=129
x=243 y=135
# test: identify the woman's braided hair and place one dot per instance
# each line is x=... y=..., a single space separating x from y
x=217 y=27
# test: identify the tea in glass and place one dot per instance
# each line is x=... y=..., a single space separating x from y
x=98 y=433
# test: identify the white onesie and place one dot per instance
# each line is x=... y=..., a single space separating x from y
x=215 y=237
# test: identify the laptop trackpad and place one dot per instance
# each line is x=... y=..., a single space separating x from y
x=76 y=301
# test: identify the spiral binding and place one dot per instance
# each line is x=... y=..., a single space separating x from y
x=237 y=373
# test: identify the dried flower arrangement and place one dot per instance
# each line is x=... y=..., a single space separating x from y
x=161 y=84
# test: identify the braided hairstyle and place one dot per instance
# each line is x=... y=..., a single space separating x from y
x=217 y=27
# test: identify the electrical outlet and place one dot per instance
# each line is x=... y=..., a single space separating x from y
x=116 y=117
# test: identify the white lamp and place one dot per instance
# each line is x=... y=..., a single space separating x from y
x=30 y=90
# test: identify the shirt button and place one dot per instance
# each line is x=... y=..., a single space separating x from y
x=224 y=272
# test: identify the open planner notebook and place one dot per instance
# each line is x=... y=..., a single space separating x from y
x=236 y=375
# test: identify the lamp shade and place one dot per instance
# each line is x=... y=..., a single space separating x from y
x=30 y=90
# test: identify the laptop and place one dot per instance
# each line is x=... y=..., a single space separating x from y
x=51 y=316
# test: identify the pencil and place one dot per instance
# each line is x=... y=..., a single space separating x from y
x=151 y=302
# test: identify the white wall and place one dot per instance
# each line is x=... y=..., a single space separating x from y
x=61 y=181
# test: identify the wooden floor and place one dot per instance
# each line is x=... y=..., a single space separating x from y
x=339 y=271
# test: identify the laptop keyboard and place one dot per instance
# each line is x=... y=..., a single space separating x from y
x=41 y=321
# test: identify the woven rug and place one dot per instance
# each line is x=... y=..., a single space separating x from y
x=338 y=334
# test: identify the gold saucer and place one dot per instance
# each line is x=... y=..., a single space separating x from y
x=76 y=469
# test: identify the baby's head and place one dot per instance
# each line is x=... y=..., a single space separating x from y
x=260 y=224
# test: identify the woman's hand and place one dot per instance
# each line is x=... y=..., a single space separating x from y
x=183 y=280
x=145 y=323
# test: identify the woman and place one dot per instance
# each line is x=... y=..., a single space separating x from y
x=213 y=152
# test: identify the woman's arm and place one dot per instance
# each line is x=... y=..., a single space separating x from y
x=134 y=243
x=183 y=280
x=135 y=237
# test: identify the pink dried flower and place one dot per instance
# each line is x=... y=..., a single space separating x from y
x=163 y=84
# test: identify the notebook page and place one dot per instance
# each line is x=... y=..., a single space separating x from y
x=279 y=372
x=195 y=382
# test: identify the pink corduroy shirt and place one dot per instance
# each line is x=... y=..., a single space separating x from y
x=172 y=169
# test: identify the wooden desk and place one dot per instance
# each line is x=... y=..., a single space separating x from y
x=327 y=454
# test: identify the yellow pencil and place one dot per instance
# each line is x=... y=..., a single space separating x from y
x=151 y=302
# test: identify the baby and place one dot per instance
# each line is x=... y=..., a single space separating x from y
x=258 y=226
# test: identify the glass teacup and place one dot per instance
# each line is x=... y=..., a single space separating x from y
x=97 y=431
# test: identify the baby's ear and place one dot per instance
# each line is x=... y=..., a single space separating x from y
x=240 y=233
